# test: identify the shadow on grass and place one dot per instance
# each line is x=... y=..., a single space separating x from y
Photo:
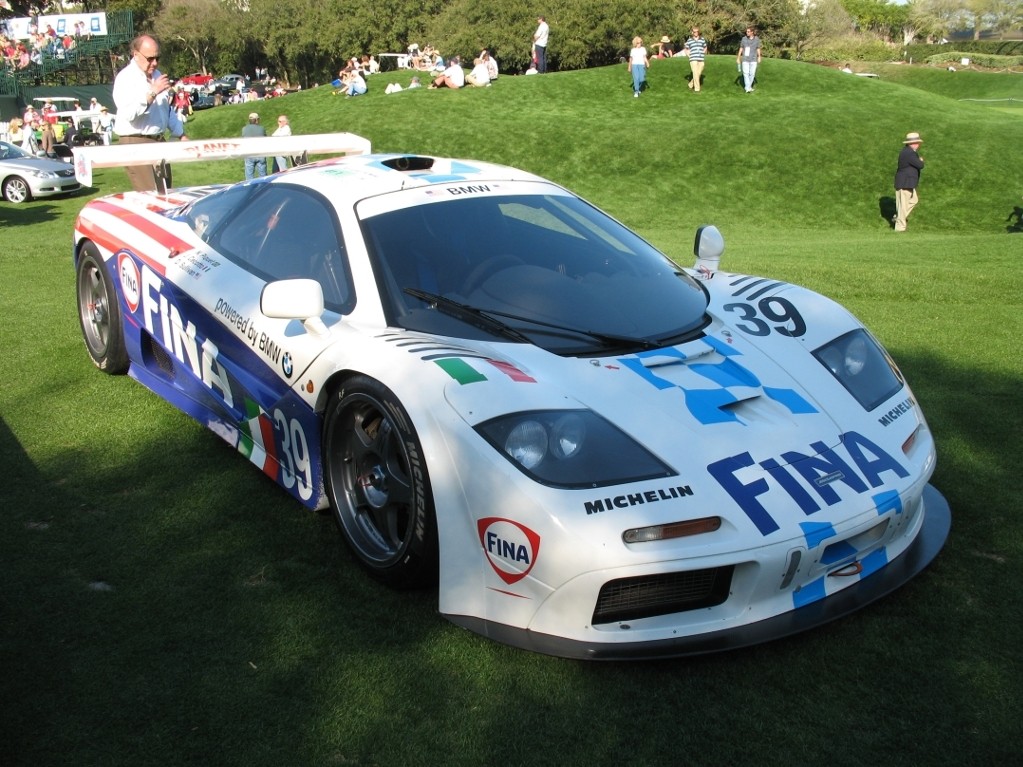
x=1015 y=221
x=236 y=622
x=32 y=212
x=887 y=208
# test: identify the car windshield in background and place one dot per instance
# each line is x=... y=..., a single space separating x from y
x=11 y=152
x=548 y=267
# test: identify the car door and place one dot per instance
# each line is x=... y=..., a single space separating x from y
x=270 y=232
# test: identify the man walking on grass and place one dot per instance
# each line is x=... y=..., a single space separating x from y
x=907 y=178
x=696 y=50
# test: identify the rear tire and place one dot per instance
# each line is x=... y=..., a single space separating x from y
x=99 y=313
x=378 y=485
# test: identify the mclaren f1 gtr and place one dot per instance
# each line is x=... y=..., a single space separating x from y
x=497 y=388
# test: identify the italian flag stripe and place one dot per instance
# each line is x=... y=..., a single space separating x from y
x=256 y=441
x=460 y=370
x=512 y=372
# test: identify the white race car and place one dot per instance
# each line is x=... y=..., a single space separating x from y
x=498 y=388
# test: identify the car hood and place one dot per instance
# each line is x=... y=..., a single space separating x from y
x=737 y=428
x=706 y=396
x=41 y=164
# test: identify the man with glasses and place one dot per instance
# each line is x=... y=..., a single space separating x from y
x=144 y=112
x=696 y=50
x=748 y=58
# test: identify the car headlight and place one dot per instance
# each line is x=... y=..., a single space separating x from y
x=571 y=449
x=862 y=367
x=42 y=173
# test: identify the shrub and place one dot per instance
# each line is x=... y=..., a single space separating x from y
x=978 y=59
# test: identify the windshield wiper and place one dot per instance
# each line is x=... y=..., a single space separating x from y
x=470 y=314
x=487 y=320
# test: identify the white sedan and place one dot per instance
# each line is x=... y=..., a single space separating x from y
x=24 y=176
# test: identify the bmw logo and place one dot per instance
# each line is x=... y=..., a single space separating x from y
x=286 y=364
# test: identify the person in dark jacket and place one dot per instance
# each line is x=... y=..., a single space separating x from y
x=907 y=178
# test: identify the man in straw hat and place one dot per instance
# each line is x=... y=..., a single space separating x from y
x=907 y=177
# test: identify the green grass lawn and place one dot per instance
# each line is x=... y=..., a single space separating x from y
x=163 y=603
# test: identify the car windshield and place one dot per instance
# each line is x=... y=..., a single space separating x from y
x=544 y=267
x=11 y=152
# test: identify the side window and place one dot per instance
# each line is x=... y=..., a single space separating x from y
x=205 y=216
x=285 y=232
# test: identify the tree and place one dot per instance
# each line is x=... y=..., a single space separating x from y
x=820 y=20
x=936 y=18
x=1001 y=16
x=143 y=11
x=881 y=17
x=176 y=25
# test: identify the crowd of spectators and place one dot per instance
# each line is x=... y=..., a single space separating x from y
x=43 y=131
x=40 y=45
x=448 y=73
x=352 y=77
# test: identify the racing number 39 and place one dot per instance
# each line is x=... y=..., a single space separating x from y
x=770 y=314
x=295 y=463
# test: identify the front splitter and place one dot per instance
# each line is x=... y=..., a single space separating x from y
x=929 y=541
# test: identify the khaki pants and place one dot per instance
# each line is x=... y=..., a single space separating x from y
x=147 y=178
x=697 y=68
x=905 y=201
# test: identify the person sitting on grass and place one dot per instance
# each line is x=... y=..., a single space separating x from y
x=452 y=77
x=491 y=63
x=354 y=83
x=480 y=74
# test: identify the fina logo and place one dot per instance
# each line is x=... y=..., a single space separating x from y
x=131 y=280
x=510 y=547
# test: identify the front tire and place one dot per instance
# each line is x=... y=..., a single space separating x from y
x=16 y=190
x=378 y=484
x=99 y=313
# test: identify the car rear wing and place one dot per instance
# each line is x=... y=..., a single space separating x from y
x=120 y=155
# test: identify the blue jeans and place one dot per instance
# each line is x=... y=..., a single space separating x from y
x=255 y=167
x=749 y=74
x=356 y=89
x=638 y=77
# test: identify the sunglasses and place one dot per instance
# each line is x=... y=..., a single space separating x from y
x=150 y=59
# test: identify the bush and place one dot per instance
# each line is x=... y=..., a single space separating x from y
x=977 y=59
x=922 y=51
x=848 y=50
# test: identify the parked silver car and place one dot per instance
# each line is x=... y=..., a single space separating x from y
x=23 y=176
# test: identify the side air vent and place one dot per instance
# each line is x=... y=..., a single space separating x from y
x=156 y=357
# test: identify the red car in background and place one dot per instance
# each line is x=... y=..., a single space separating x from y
x=196 y=78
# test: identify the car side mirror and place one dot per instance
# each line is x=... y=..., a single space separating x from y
x=298 y=299
x=709 y=246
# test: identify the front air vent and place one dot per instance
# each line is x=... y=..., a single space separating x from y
x=653 y=595
x=409 y=163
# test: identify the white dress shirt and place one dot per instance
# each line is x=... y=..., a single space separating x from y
x=135 y=115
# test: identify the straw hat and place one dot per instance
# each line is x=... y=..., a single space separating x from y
x=913 y=138
x=665 y=39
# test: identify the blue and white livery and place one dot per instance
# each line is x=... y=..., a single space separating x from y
x=497 y=388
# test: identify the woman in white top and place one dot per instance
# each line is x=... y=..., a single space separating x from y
x=638 y=63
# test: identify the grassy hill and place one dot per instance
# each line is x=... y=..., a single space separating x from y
x=811 y=148
x=164 y=603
